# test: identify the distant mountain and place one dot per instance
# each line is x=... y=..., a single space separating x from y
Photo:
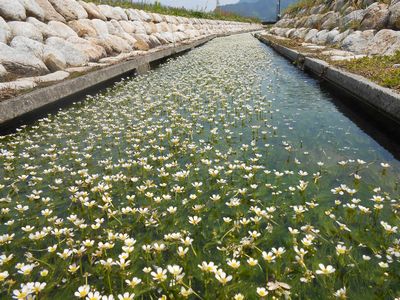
x=265 y=10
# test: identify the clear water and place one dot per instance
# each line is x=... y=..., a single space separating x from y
x=246 y=125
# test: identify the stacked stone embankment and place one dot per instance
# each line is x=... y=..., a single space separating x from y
x=360 y=27
x=46 y=40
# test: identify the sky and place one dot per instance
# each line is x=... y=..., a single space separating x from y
x=193 y=4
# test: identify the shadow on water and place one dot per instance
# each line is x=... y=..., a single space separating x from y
x=384 y=131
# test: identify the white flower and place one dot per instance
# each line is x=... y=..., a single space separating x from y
x=94 y=296
x=133 y=282
x=325 y=270
x=160 y=275
x=262 y=292
x=222 y=277
x=126 y=296
x=82 y=291
x=3 y=275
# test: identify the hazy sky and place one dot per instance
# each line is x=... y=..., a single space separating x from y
x=193 y=4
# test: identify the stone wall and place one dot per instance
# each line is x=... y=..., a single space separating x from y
x=364 y=27
x=47 y=40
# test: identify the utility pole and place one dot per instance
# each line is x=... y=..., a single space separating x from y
x=278 y=10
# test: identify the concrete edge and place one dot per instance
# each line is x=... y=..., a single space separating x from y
x=14 y=108
x=383 y=100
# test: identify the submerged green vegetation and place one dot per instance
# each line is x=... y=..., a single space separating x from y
x=178 y=11
x=224 y=174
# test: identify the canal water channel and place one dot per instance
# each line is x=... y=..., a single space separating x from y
x=224 y=173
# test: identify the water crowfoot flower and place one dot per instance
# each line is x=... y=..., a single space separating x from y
x=325 y=270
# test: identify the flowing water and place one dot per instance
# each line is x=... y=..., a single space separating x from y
x=224 y=174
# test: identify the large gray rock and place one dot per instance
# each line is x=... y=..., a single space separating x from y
x=161 y=38
x=44 y=28
x=18 y=85
x=321 y=37
x=118 y=44
x=22 y=43
x=330 y=20
x=150 y=28
x=128 y=26
x=331 y=36
x=357 y=42
x=163 y=27
x=310 y=35
x=341 y=36
x=147 y=18
x=92 y=10
x=52 y=77
x=69 y=9
x=353 y=18
x=300 y=33
x=32 y=9
x=93 y=51
x=3 y=73
x=376 y=17
x=139 y=27
x=384 y=42
x=168 y=36
x=156 y=18
x=143 y=42
x=62 y=30
x=313 y=21
x=113 y=13
x=73 y=56
x=5 y=32
x=100 y=26
x=25 y=29
x=100 y=41
x=12 y=10
x=20 y=62
x=121 y=12
x=50 y=14
x=133 y=15
x=115 y=28
x=394 y=17
x=112 y=44
x=83 y=27
x=54 y=59
x=153 y=41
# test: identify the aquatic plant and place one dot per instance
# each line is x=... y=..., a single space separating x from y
x=191 y=182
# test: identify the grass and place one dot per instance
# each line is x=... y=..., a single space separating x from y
x=295 y=7
x=178 y=11
x=307 y=4
x=376 y=68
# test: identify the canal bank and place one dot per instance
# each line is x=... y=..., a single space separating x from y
x=381 y=103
